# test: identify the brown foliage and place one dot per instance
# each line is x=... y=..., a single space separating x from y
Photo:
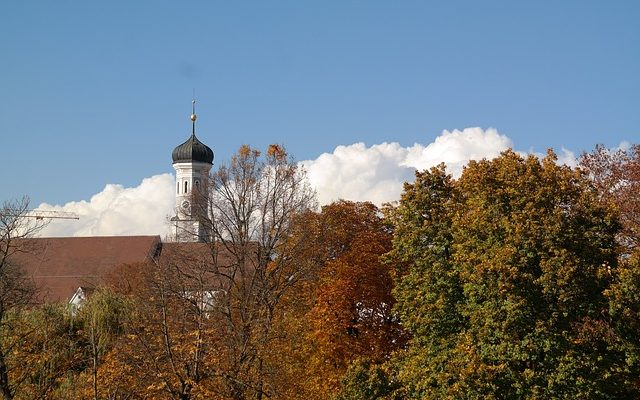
x=348 y=305
x=616 y=176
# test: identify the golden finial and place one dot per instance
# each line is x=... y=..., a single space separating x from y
x=193 y=117
x=193 y=110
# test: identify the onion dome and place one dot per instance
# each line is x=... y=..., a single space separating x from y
x=193 y=150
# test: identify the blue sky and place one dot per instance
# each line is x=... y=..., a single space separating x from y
x=93 y=93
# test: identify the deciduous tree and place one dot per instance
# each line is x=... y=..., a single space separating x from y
x=47 y=352
x=102 y=318
x=616 y=175
x=16 y=289
x=208 y=310
x=352 y=314
x=343 y=313
x=252 y=205
x=505 y=286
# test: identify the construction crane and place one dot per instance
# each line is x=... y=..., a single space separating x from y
x=49 y=214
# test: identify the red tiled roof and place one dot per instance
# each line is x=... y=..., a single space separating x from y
x=60 y=265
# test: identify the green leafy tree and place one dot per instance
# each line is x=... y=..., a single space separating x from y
x=103 y=318
x=365 y=381
x=616 y=176
x=504 y=288
x=428 y=289
x=624 y=308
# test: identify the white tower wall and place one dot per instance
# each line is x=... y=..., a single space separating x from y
x=191 y=200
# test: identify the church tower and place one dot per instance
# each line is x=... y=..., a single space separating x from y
x=192 y=161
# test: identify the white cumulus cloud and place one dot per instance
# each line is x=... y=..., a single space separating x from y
x=376 y=173
x=352 y=172
x=357 y=172
x=141 y=210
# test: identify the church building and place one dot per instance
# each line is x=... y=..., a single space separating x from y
x=192 y=161
x=68 y=268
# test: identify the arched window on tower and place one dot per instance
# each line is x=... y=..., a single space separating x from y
x=186 y=187
x=178 y=187
x=197 y=184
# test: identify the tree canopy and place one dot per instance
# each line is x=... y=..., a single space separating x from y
x=503 y=282
x=518 y=280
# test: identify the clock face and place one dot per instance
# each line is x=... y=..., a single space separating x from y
x=185 y=204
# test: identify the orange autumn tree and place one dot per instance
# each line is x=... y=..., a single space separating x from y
x=173 y=348
x=207 y=311
x=350 y=315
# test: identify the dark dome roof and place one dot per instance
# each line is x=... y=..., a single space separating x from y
x=192 y=150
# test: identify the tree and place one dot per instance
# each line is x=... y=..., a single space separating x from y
x=172 y=346
x=616 y=176
x=103 y=317
x=505 y=287
x=428 y=290
x=365 y=381
x=342 y=312
x=252 y=204
x=624 y=309
x=47 y=354
x=16 y=290
x=350 y=316
x=206 y=312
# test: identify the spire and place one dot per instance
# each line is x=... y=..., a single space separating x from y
x=192 y=150
x=193 y=117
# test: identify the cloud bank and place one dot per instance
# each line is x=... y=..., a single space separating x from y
x=376 y=173
x=141 y=210
x=353 y=172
